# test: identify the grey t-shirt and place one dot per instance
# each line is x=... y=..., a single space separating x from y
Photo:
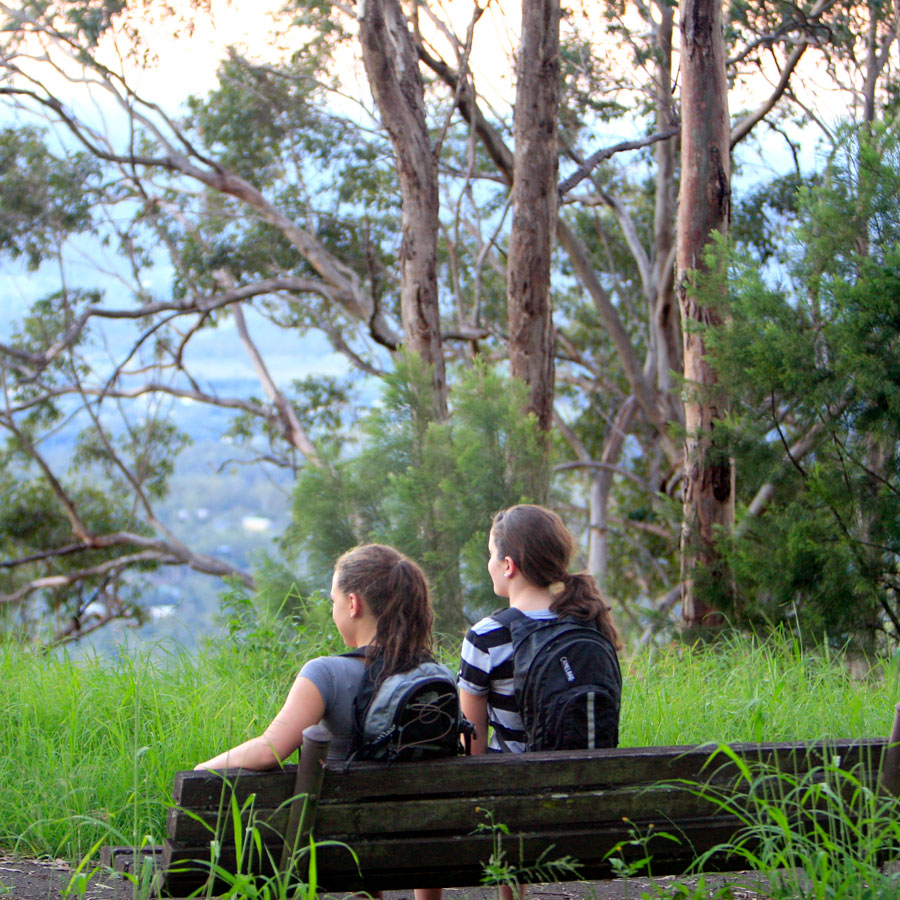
x=338 y=679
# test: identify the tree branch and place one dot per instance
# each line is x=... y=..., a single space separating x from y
x=746 y=125
x=585 y=168
x=69 y=578
x=605 y=467
x=291 y=428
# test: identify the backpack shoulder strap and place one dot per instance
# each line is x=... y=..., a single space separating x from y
x=507 y=615
x=520 y=625
x=582 y=623
x=365 y=694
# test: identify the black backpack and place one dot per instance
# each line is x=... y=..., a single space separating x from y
x=567 y=682
x=409 y=715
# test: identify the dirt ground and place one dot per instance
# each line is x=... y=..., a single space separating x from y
x=33 y=879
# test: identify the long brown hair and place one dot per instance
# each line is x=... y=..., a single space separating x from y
x=396 y=591
x=538 y=542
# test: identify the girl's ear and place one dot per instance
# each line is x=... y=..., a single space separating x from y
x=355 y=603
x=511 y=567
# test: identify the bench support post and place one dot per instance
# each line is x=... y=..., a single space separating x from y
x=889 y=776
x=313 y=752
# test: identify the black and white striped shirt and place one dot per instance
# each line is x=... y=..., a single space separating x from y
x=486 y=669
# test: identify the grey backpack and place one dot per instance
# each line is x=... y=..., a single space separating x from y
x=408 y=715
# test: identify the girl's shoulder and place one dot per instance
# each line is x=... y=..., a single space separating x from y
x=332 y=664
x=490 y=623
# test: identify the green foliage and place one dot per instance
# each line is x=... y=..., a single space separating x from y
x=34 y=527
x=147 y=450
x=273 y=126
x=427 y=487
x=823 y=834
x=502 y=869
x=808 y=357
x=42 y=196
x=762 y=214
x=259 y=114
x=271 y=631
x=750 y=689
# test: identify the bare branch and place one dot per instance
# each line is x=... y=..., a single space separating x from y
x=605 y=467
x=599 y=156
x=746 y=125
x=610 y=317
x=67 y=579
x=44 y=554
x=805 y=24
x=291 y=428
x=462 y=69
x=151 y=387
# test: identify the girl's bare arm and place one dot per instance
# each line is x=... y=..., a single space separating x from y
x=303 y=707
x=474 y=708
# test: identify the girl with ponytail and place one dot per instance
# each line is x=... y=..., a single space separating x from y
x=380 y=601
x=530 y=550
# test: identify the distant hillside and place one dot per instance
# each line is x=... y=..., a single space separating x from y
x=219 y=501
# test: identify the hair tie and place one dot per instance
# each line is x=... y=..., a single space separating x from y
x=556 y=588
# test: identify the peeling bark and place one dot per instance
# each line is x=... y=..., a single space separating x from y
x=704 y=207
x=389 y=56
x=534 y=196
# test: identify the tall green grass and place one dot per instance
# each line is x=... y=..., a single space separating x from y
x=823 y=835
x=90 y=745
x=750 y=690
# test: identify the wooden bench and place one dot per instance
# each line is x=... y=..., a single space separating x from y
x=427 y=823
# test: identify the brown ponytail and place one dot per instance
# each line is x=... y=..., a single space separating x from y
x=396 y=591
x=541 y=546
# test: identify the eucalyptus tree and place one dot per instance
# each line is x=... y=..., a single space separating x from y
x=396 y=84
x=280 y=190
x=704 y=207
x=534 y=203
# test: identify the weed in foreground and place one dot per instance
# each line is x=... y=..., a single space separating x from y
x=499 y=869
x=823 y=835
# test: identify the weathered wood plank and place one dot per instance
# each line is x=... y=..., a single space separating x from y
x=458 y=860
x=525 y=773
x=440 y=815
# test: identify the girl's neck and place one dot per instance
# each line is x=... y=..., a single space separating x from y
x=366 y=634
x=527 y=597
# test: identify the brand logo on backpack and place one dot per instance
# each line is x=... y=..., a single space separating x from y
x=570 y=675
x=567 y=682
x=408 y=715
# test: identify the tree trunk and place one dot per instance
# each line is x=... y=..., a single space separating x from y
x=535 y=168
x=601 y=485
x=665 y=326
x=392 y=68
x=704 y=207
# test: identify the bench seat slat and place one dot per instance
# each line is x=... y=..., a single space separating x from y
x=456 y=859
x=443 y=814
